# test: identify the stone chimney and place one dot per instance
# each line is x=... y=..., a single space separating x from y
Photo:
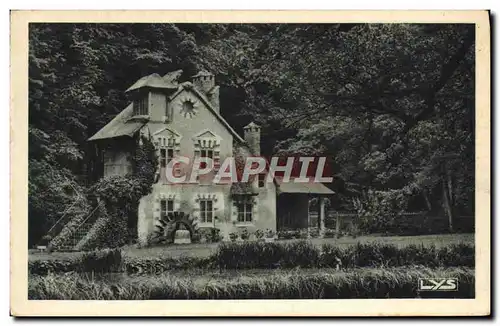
x=204 y=81
x=252 y=137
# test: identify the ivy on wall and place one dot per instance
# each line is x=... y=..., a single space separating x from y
x=121 y=195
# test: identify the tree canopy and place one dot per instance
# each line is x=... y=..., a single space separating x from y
x=391 y=104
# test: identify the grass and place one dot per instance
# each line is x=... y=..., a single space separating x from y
x=207 y=249
x=295 y=284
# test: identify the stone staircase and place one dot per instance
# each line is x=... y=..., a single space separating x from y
x=80 y=232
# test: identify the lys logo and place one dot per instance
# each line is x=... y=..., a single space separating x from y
x=438 y=284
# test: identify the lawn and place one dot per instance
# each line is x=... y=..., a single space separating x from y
x=206 y=249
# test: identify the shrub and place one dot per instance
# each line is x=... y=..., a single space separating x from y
x=97 y=261
x=244 y=235
x=44 y=267
x=233 y=236
x=269 y=233
x=210 y=234
x=266 y=255
x=160 y=265
x=286 y=235
x=101 y=261
x=329 y=233
x=259 y=234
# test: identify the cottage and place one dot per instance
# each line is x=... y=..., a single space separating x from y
x=183 y=119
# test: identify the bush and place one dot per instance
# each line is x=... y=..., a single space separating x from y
x=97 y=261
x=210 y=234
x=44 y=267
x=259 y=234
x=101 y=261
x=266 y=255
x=366 y=283
x=160 y=265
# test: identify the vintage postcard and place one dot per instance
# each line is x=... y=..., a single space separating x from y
x=260 y=163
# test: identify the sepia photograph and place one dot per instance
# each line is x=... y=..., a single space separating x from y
x=253 y=161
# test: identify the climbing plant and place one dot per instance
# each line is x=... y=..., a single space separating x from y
x=121 y=194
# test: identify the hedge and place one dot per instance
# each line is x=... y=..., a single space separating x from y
x=252 y=255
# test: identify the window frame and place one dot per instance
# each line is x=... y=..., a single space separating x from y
x=140 y=106
x=204 y=211
x=247 y=205
x=164 y=207
x=166 y=156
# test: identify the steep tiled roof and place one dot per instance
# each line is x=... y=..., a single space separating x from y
x=120 y=126
x=169 y=81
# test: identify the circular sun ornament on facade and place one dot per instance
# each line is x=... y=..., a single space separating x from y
x=189 y=107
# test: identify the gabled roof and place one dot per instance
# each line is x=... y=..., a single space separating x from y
x=169 y=81
x=188 y=86
x=120 y=126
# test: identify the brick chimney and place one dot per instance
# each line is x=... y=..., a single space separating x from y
x=204 y=81
x=252 y=137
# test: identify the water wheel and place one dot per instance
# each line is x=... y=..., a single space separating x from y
x=166 y=227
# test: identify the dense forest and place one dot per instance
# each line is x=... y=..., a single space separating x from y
x=391 y=104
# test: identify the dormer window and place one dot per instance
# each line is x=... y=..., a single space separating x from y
x=141 y=105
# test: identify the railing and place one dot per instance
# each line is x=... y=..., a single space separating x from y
x=346 y=219
x=87 y=220
x=59 y=224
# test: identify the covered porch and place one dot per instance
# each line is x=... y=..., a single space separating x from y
x=293 y=205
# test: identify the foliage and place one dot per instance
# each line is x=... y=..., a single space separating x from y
x=101 y=261
x=210 y=234
x=363 y=283
x=244 y=235
x=392 y=105
x=107 y=232
x=233 y=236
x=160 y=265
x=380 y=210
x=259 y=234
x=121 y=195
x=97 y=261
x=78 y=214
x=269 y=233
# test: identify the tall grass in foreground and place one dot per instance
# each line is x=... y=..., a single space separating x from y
x=358 y=283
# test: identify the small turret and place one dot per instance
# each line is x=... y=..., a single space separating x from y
x=252 y=137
